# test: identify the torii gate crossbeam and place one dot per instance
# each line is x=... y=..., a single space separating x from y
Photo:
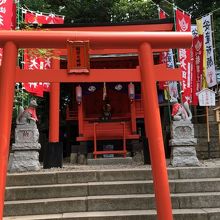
x=143 y=41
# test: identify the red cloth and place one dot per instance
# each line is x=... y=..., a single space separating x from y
x=175 y=108
x=32 y=61
x=32 y=112
x=6 y=13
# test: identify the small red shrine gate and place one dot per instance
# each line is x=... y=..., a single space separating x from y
x=143 y=41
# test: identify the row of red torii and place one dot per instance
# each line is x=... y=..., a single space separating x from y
x=147 y=74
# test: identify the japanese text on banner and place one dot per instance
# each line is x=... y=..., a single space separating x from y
x=183 y=24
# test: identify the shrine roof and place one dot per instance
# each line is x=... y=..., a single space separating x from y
x=148 y=25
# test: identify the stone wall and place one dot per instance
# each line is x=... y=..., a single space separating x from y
x=202 y=145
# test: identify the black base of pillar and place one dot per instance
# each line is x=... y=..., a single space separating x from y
x=53 y=156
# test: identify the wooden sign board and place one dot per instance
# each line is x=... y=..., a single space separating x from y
x=206 y=97
x=78 y=57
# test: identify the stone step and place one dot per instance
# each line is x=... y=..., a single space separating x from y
x=179 y=214
x=70 y=177
x=108 y=188
x=110 y=161
x=108 y=203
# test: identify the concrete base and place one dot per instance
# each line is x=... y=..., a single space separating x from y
x=109 y=161
x=21 y=161
x=184 y=156
x=25 y=155
x=183 y=152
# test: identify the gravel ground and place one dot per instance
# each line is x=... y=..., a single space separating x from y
x=67 y=166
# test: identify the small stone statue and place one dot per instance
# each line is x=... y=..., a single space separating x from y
x=180 y=112
x=183 y=141
x=27 y=116
x=24 y=155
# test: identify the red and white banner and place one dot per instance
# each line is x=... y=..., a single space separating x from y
x=33 y=62
x=162 y=14
x=183 y=24
x=39 y=18
x=5 y=18
x=197 y=67
x=14 y=16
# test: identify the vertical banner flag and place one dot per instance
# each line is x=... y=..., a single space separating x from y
x=5 y=18
x=34 y=62
x=200 y=32
x=167 y=57
x=194 y=30
x=183 y=24
x=163 y=55
x=172 y=85
x=14 y=16
x=162 y=14
x=197 y=67
x=208 y=46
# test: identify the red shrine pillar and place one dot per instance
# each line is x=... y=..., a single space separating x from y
x=7 y=85
x=54 y=117
x=154 y=133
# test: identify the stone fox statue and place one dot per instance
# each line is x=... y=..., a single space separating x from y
x=179 y=111
x=28 y=115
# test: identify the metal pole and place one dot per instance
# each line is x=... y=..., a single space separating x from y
x=7 y=86
x=154 y=133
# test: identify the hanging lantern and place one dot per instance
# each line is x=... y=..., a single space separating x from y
x=131 y=91
x=79 y=94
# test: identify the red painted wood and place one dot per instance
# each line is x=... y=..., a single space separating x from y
x=54 y=116
x=136 y=27
x=7 y=78
x=95 y=131
x=161 y=73
x=153 y=131
x=133 y=117
x=107 y=131
x=111 y=152
x=97 y=40
x=81 y=119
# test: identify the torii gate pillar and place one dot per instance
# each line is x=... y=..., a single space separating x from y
x=54 y=107
x=7 y=85
x=154 y=133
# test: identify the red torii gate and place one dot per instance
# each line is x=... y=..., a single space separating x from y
x=143 y=41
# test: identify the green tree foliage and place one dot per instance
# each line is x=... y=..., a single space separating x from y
x=98 y=11
x=133 y=10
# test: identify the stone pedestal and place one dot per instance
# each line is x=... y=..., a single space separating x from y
x=183 y=152
x=25 y=150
